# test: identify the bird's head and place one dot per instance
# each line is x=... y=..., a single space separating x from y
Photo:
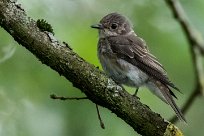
x=113 y=24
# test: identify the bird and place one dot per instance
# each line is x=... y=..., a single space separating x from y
x=126 y=59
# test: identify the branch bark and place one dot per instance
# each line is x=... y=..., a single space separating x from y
x=196 y=45
x=95 y=84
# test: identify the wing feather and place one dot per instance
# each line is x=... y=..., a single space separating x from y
x=134 y=50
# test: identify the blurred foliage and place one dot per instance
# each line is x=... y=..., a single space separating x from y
x=25 y=83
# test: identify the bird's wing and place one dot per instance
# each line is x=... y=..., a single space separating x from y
x=134 y=50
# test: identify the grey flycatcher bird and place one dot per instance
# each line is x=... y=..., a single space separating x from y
x=124 y=56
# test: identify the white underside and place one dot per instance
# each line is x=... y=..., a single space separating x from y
x=127 y=74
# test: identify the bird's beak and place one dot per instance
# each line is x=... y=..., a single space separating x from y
x=97 y=26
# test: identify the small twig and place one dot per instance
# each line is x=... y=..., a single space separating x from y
x=53 y=96
x=196 y=49
x=193 y=35
x=99 y=117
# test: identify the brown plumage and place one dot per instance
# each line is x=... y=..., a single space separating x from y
x=125 y=58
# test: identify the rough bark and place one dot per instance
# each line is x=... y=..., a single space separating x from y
x=95 y=84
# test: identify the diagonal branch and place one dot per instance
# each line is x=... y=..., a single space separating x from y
x=95 y=84
x=196 y=48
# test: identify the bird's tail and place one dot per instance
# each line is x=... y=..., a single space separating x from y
x=166 y=92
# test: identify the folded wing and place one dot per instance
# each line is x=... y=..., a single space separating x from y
x=134 y=50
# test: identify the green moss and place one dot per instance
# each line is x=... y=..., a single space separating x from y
x=43 y=25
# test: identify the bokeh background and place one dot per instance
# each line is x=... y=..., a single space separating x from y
x=25 y=83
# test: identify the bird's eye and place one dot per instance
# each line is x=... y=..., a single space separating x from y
x=114 y=26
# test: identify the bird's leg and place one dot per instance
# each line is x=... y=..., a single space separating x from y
x=135 y=94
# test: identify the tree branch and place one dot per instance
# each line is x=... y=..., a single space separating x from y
x=53 y=96
x=197 y=51
x=95 y=84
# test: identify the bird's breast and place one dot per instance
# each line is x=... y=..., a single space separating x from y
x=120 y=70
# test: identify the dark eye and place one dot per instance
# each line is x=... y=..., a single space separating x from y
x=114 y=26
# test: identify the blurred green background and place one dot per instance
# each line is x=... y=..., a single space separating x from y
x=25 y=84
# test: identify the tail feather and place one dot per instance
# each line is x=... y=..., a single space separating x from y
x=164 y=93
x=168 y=97
x=172 y=93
